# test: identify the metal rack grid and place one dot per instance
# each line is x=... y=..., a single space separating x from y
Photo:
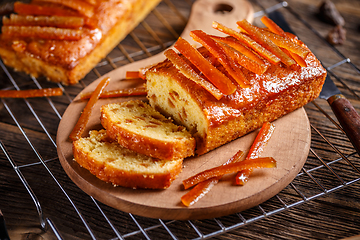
x=143 y=42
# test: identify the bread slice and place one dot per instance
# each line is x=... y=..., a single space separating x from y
x=278 y=91
x=110 y=162
x=139 y=127
x=106 y=23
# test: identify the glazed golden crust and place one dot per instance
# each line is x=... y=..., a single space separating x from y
x=68 y=61
x=271 y=95
x=159 y=174
x=147 y=131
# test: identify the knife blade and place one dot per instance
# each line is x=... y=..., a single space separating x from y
x=346 y=114
x=3 y=231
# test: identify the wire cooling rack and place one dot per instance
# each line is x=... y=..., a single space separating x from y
x=29 y=127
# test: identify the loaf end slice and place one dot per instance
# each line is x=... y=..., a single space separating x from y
x=112 y=163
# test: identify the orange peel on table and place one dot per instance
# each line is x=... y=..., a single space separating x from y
x=44 y=92
x=255 y=151
x=202 y=188
x=138 y=91
x=85 y=115
x=266 y=162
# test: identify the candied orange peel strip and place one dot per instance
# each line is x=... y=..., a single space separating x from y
x=215 y=49
x=42 y=32
x=82 y=7
x=44 y=92
x=284 y=42
x=255 y=151
x=49 y=21
x=85 y=115
x=199 y=191
x=249 y=42
x=30 y=9
x=138 y=91
x=266 y=162
x=202 y=188
x=237 y=45
x=296 y=57
x=264 y=41
x=188 y=72
x=243 y=60
x=132 y=75
x=272 y=26
x=222 y=82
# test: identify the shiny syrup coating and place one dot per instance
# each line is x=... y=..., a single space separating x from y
x=277 y=79
x=67 y=54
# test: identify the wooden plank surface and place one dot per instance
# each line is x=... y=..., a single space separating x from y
x=332 y=216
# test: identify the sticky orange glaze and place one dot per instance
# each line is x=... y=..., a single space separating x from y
x=273 y=82
x=67 y=53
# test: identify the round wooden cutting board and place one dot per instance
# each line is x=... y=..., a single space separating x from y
x=289 y=145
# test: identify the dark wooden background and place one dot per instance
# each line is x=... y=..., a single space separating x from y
x=323 y=199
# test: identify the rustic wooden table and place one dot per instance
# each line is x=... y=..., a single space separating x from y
x=39 y=201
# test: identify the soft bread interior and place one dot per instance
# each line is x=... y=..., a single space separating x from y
x=174 y=101
x=142 y=119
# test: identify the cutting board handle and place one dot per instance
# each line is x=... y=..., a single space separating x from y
x=204 y=12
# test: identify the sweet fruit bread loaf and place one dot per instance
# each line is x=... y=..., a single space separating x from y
x=139 y=127
x=261 y=75
x=110 y=162
x=64 y=39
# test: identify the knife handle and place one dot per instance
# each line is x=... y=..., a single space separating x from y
x=348 y=117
